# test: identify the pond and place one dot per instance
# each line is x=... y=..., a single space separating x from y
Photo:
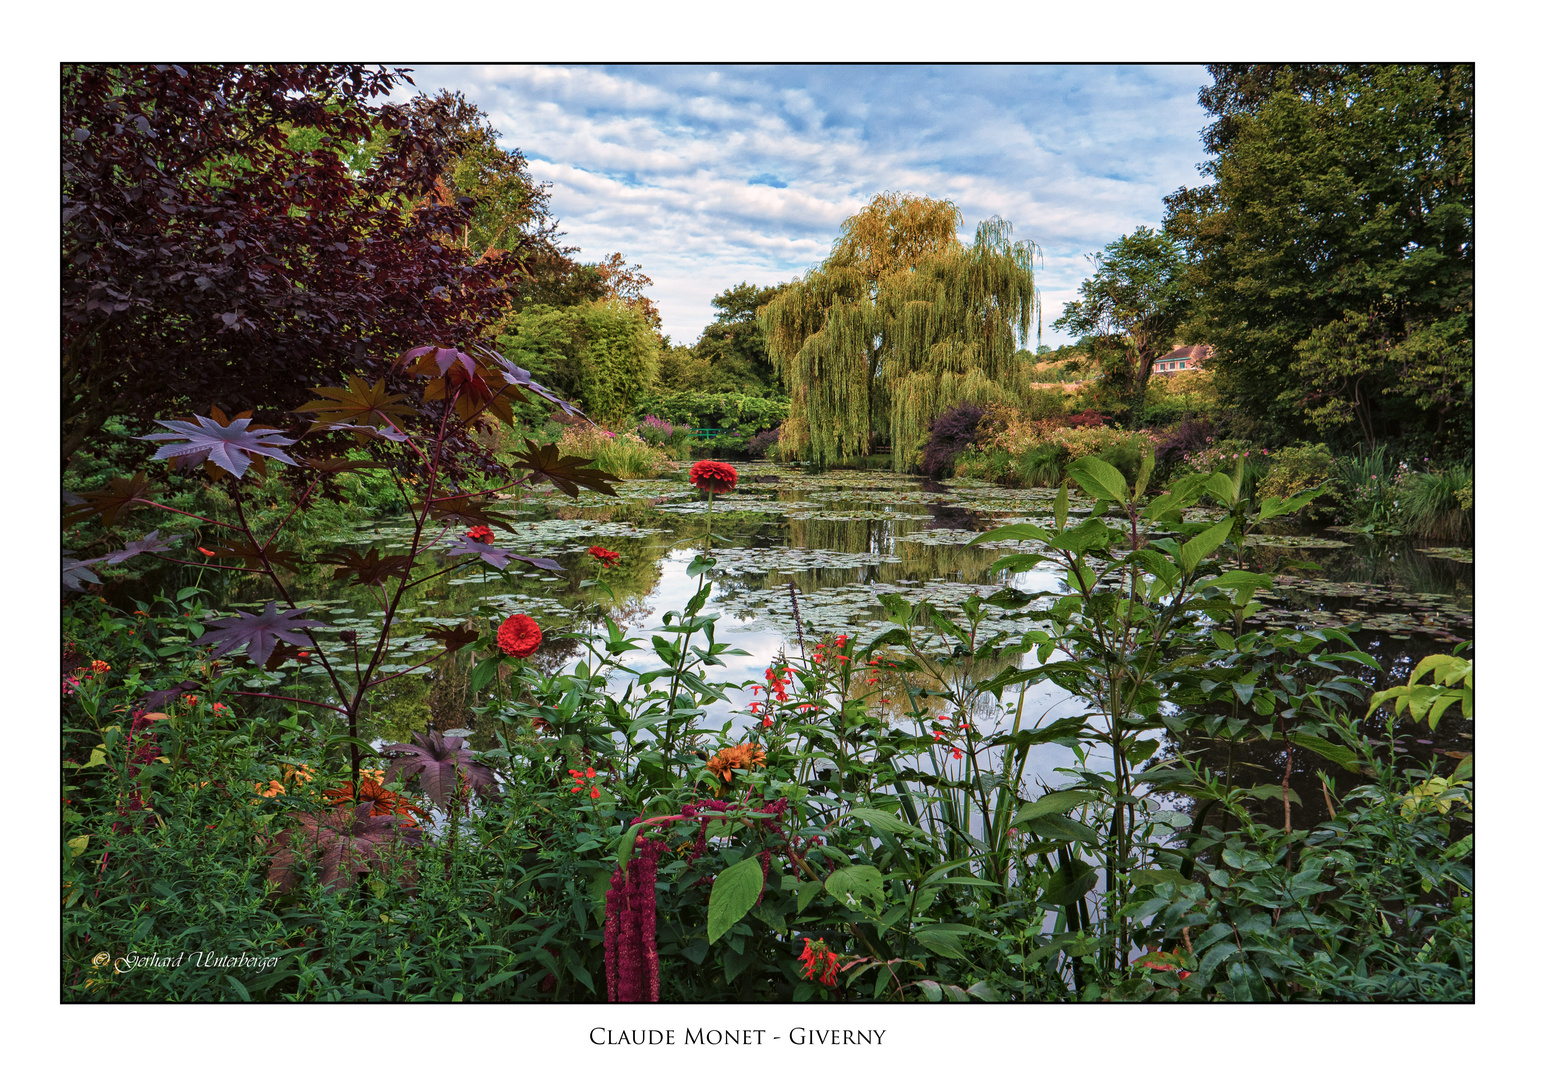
x=831 y=544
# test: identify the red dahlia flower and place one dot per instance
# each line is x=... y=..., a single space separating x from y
x=714 y=477
x=519 y=635
x=482 y=533
x=605 y=558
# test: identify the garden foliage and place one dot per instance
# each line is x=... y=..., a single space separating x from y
x=866 y=834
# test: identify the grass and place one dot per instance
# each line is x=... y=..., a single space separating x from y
x=1439 y=505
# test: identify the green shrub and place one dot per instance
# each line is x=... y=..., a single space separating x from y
x=745 y=414
x=993 y=465
x=622 y=454
x=1043 y=465
x=1439 y=506
x=1127 y=455
x=1297 y=468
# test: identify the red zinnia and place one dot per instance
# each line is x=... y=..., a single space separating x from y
x=519 y=635
x=605 y=558
x=714 y=477
x=482 y=533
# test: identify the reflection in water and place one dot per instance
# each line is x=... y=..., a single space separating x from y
x=842 y=540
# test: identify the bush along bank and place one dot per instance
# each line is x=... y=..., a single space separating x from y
x=1366 y=491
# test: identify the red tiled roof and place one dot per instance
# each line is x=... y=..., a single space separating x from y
x=1188 y=352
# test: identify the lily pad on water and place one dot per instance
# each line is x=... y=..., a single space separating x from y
x=1455 y=554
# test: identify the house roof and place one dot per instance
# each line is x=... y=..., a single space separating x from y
x=1188 y=352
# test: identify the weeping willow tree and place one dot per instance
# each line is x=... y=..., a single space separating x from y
x=901 y=322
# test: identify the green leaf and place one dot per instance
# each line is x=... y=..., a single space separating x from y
x=1069 y=884
x=1214 y=958
x=700 y=565
x=1220 y=485
x=850 y=884
x=807 y=891
x=1342 y=756
x=942 y=942
x=1061 y=827
x=1099 y=479
x=1237 y=579
x=624 y=848
x=1145 y=472
x=1011 y=532
x=1056 y=802
x=1195 y=550
x=78 y=845
x=734 y=893
x=897 y=607
x=887 y=822
x=1157 y=877
x=1061 y=505
x=483 y=673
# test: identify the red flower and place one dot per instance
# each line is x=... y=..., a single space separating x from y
x=820 y=962
x=207 y=552
x=605 y=558
x=519 y=635
x=482 y=533
x=714 y=477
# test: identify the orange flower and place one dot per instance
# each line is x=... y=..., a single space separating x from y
x=382 y=801
x=273 y=788
x=745 y=756
x=100 y=666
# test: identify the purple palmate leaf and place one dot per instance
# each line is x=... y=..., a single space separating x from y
x=444 y=359
x=497 y=557
x=143 y=546
x=363 y=431
x=436 y=760
x=259 y=633
x=520 y=377
x=343 y=843
x=226 y=445
x=76 y=576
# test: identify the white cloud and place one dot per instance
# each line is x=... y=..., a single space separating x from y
x=657 y=161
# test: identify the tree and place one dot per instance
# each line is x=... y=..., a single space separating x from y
x=625 y=284
x=734 y=344
x=1135 y=296
x=602 y=355
x=236 y=234
x=1332 y=256
x=900 y=322
x=508 y=207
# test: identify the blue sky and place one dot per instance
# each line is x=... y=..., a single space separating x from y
x=709 y=175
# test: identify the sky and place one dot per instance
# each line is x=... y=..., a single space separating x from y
x=710 y=175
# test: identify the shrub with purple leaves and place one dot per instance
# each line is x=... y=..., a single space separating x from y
x=1187 y=437
x=952 y=433
x=757 y=447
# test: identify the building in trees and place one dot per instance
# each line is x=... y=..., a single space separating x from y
x=900 y=322
x=1184 y=358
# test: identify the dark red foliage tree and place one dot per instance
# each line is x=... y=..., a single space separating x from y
x=236 y=234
